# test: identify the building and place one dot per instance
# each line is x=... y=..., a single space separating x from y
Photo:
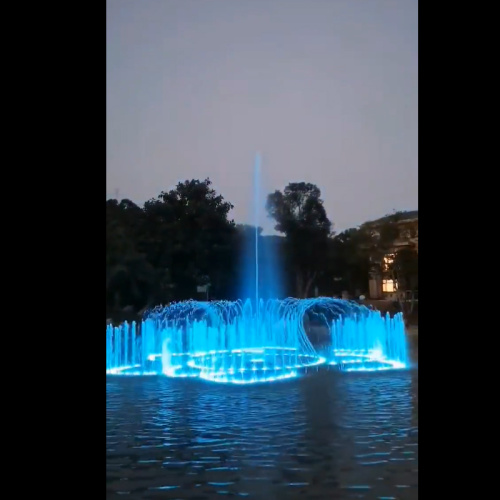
x=403 y=228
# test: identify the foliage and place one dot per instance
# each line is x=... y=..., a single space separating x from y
x=164 y=250
x=382 y=238
x=191 y=235
x=404 y=268
x=349 y=260
x=299 y=214
x=184 y=238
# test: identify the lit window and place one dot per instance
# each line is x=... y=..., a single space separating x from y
x=388 y=260
x=388 y=286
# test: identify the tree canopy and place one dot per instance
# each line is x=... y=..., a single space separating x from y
x=181 y=239
x=299 y=214
x=184 y=238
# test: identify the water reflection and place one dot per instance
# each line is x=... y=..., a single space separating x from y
x=330 y=435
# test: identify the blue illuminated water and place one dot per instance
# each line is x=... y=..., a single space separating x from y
x=260 y=273
x=256 y=198
x=334 y=435
x=256 y=340
x=230 y=342
x=216 y=341
x=362 y=339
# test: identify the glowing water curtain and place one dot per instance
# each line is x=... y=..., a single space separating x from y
x=230 y=342
x=260 y=341
x=362 y=339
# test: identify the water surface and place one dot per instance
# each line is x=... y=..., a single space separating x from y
x=327 y=436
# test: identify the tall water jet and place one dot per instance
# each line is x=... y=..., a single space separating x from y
x=260 y=274
x=245 y=342
x=256 y=189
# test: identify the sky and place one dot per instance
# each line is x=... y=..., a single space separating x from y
x=325 y=90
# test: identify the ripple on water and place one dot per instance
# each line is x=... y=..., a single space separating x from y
x=330 y=435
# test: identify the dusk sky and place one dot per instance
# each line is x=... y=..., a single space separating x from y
x=326 y=90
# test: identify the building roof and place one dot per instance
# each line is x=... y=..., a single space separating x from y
x=406 y=215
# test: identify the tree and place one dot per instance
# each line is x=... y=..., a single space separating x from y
x=404 y=268
x=131 y=282
x=379 y=236
x=349 y=260
x=163 y=250
x=299 y=214
x=130 y=278
x=189 y=233
x=122 y=218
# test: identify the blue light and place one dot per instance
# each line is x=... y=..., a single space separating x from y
x=361 y=339
x=227 y=342
x=224 y=342
x=262 y=339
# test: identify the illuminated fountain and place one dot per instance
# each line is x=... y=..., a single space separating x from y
x=262 y=339
x=216 y=341
x=229 y=342
x=361 y=339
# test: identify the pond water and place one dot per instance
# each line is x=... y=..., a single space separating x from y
x=327 y=435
